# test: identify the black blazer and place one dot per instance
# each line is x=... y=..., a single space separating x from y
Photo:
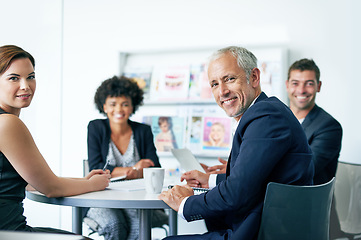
x=99 y=138
x=98 y=144
x=269 y=145
x=324 y=135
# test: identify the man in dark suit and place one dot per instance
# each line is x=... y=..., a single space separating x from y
x=269 y=145
x=323 y=132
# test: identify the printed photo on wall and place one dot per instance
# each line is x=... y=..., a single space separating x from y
x=217 y=133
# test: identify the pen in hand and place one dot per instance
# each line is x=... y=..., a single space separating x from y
x=194 y=188
x=105 y=166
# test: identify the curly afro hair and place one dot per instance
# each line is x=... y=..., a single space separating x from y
x=118 y=87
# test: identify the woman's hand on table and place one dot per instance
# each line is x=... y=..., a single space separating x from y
x=137 y=170
x=144 y=163
x=97 y=172
x=100 y=181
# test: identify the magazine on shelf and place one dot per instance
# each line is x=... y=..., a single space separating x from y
x=170 y=82
x=168 y=131
x=142 y=75
x=269 y=75
x=217 y=133
x=206 y=92
x=207 y=134
x=196 y=81
x=273 y=68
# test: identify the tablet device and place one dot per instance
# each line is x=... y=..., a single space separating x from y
x=187 y=160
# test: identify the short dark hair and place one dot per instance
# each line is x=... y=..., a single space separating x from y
x=303 y=65
x=118 y=87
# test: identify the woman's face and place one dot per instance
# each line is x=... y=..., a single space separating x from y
x=118 y=109
x=217 y=132
x=17 y=86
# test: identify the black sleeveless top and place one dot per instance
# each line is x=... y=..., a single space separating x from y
x=12 y=186
x=12 y=194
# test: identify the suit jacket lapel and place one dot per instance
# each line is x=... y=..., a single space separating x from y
x=261 y=97
x=310 y=117
x=228 y=164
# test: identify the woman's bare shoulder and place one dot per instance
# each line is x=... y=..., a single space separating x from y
x=10 y=124
x=10 y=120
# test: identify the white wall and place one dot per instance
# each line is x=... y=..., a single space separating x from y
x=323 y=30
x=94 y=32
x=36 y=26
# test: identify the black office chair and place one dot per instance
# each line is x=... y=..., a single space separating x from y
x=348 y=198
x=296 y=212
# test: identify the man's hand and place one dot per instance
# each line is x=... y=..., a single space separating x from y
x=174 y=197
x=217 y=169
x=196 y=178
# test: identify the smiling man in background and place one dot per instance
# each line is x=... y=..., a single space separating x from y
x=323 y=132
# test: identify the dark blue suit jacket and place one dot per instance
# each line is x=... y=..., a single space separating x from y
x=99 y=138
x=269 y=145
x=324 y=135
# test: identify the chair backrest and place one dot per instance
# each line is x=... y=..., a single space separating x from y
x=85 y=167
x=348 y=197
x=296 y=212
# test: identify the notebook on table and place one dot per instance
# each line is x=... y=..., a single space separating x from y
x=117 y=179
x=196 y=190
x=128 y=185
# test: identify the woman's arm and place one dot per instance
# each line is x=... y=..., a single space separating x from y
x=17 y=144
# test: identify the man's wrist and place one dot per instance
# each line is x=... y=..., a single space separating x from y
x=212 y=180
x=181 y=207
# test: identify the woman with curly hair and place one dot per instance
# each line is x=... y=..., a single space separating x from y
x=125 y=147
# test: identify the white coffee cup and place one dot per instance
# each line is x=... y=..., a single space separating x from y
x=154 y=178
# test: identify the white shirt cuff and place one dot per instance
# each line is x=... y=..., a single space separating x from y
x=181 y=206
x=212 y=181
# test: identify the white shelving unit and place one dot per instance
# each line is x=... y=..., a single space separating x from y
x=272 y=57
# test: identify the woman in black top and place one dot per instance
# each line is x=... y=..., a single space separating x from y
x=125 y=147
x=21 y=163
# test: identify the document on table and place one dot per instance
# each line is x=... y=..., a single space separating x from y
x=128 y=185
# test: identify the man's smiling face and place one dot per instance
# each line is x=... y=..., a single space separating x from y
x=302 y=87
x=229 y=85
